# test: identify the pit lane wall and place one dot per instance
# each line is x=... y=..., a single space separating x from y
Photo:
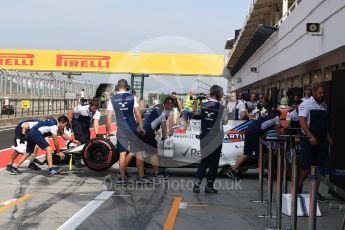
x=291 y=45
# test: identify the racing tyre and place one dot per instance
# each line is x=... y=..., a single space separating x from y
x=99 y=154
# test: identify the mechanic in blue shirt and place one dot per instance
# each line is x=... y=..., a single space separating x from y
x=82 y=118
x=316 y=139
x=129 y=124
x=20 y=133
x=257 y=128
x=36 y=136
x=154 y=119
x=213 y=117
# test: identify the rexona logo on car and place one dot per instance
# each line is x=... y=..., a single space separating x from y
x=82 y=61
x=16 y=59
x=234 y=136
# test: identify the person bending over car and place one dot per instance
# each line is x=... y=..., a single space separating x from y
x=36 y=136
x=20 y=133
x=82 y=117
x=154 y=119
x=256 y=129
x=213 y=117
x=129 y=123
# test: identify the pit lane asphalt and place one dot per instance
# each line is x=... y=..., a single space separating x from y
x=54 y=200
x=34 y=201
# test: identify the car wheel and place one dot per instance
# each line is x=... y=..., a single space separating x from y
x=99 y=154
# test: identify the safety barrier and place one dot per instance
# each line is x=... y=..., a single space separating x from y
x=13 y=108
x=281 y=144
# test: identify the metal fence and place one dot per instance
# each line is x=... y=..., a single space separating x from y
x=12 y=108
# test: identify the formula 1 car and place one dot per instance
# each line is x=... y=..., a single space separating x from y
x=182 y=149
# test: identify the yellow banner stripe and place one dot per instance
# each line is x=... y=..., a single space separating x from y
x=112 y=62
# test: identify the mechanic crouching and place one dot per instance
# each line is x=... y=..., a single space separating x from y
x=213 y=117
x=82 y=118
x=255 y=129
x=154 y=119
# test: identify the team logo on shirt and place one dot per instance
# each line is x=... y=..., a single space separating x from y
x=123 y=105
x=209 y=116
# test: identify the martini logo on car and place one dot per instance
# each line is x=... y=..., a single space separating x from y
x=16 y=59
x=82 y=61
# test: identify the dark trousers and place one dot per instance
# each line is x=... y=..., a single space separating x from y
x=210 y=160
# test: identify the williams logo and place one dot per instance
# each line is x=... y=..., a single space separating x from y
x=83 y=61
x=16 y=59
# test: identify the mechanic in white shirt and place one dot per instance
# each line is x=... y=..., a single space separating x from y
x=82 y=118
x=313 y=119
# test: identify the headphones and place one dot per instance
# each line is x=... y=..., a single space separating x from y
x=127 y=87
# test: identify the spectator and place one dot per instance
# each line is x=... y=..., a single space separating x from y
x=307 y=94
x=230 y=106
x=252 y=103
x=155 y=101
x=264 y=103
x=240 y=109
x=188 y=109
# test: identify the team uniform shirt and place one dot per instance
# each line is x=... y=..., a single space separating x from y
x=213 y=116
x=316 y=115
x=240 y=107
x=45 y=126
x=123 y=104
x=154 y=117
x=263 y=124
x=38 y=132
x=83 y=111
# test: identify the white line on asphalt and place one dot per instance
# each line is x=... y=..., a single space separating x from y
x=6 y=129
x=7 y=202
x=86 y=211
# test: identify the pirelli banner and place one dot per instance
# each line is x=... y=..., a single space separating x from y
x=112 y=62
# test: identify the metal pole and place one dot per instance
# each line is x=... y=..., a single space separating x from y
x=269 y=184
x=285 y=186
x=279 y=186
x=313 y=198
x=261 y=175
x=294 y=185
x=342 y=227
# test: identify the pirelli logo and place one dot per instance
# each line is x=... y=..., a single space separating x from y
x=16 y=59
x=82 y=61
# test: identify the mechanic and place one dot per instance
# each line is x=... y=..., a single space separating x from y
x=36 y=137
x=313 y=119
x=20 y=133
x=154 y=119
x=130 y=124
x=292 y=120
x=256 y=128
x=240 y=108
x=82 y=118
x=213 y=117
